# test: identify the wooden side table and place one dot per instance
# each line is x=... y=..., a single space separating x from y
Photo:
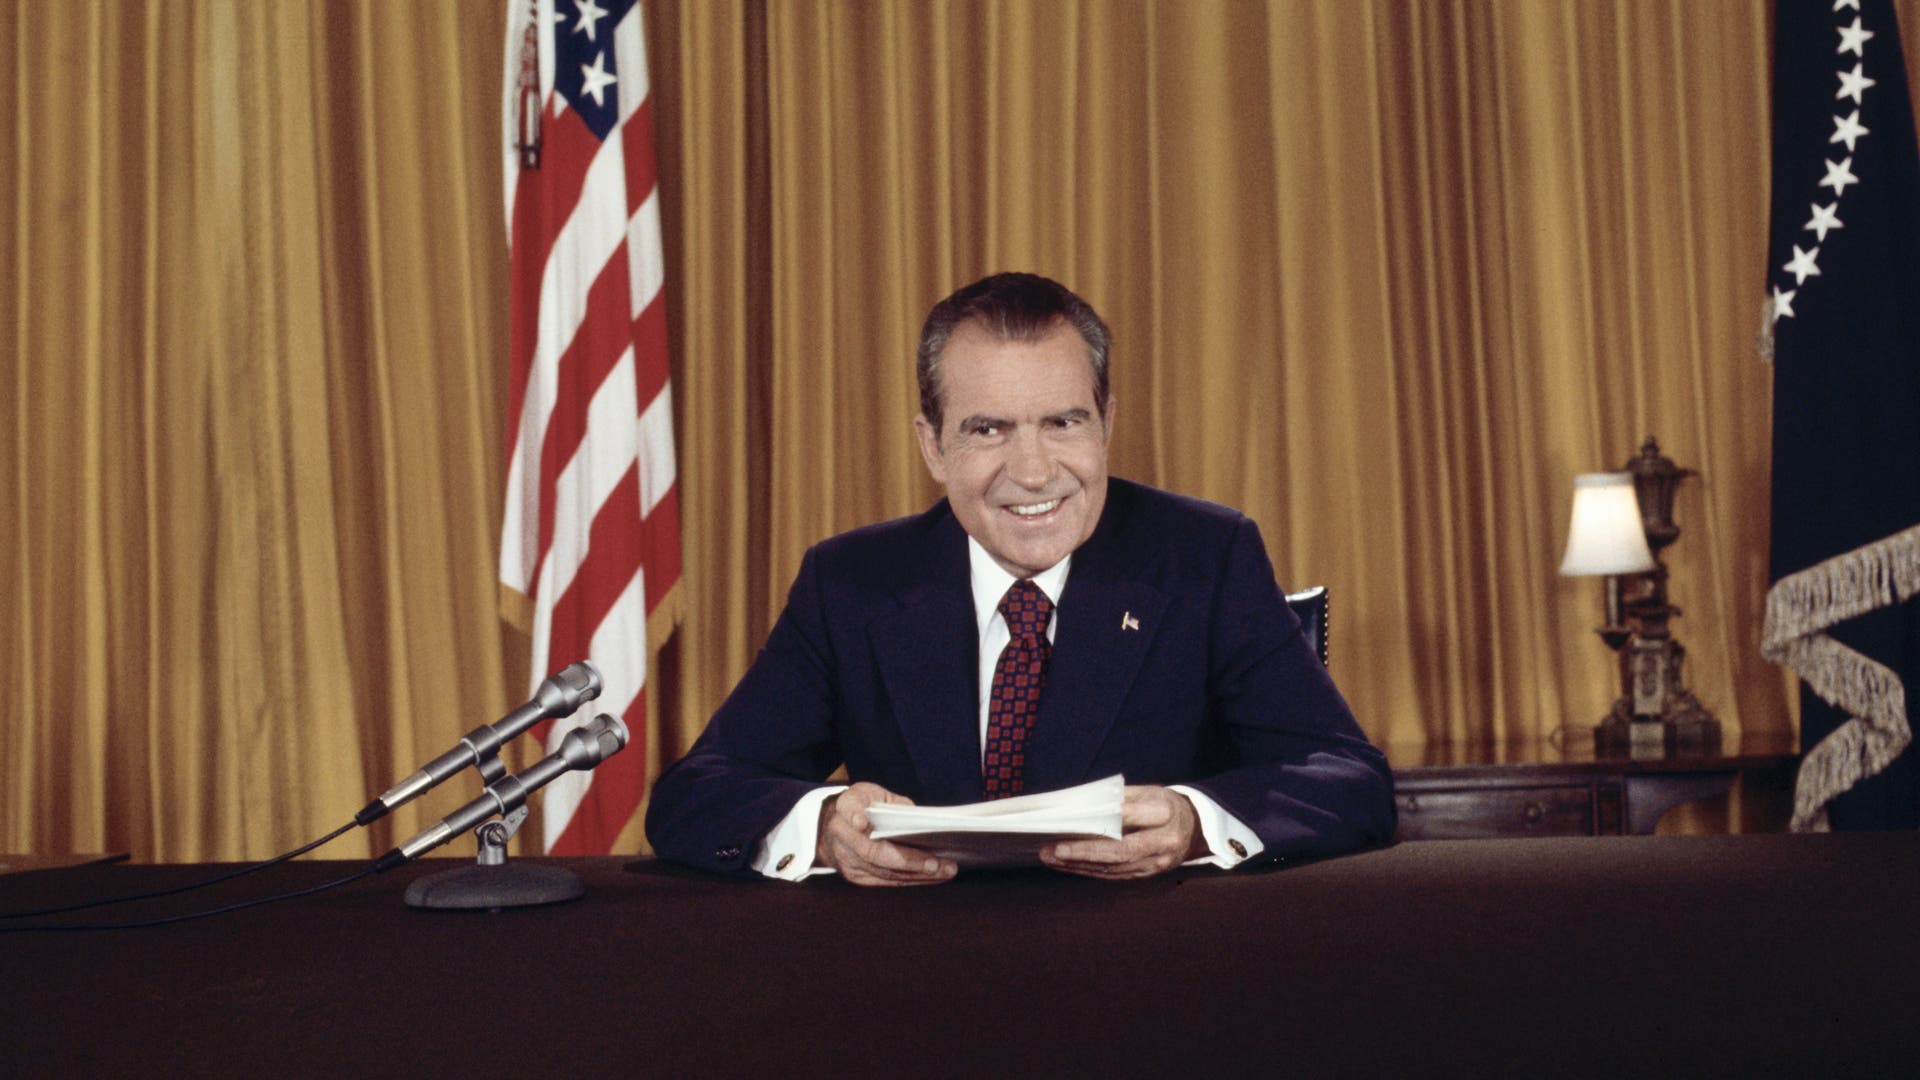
x=1467 y=791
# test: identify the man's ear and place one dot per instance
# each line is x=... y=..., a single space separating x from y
x=1113 y=406
x=929 y=437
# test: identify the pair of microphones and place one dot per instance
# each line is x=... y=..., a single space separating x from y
x=582 y=748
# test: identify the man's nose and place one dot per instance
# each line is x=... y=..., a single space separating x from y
x=1029 y=464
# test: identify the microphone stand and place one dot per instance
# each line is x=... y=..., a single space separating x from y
x=493 y=884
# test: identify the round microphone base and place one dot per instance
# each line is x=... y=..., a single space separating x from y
x=491 y=888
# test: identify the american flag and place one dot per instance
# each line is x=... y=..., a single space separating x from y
x=590 y=536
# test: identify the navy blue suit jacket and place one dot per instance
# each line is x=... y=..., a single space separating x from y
x=874 y=664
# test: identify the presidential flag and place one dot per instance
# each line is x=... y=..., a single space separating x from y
x=1844 y=313
x=590 y=537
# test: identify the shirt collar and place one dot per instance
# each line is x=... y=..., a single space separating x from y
x=991 y=581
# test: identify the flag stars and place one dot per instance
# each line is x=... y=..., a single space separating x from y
x=1853 y=84
x=590 y=16
x=1854 y=39
x=1782 y=303
x=595 y=78
x=1847 y=128
x=1824 y=218
x=1802 y=265
x=1839 y=176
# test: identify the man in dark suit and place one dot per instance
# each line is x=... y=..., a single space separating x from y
x=1040 y=627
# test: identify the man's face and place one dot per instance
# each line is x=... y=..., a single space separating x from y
x=1022 y=451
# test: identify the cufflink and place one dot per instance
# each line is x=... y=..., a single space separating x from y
x=1239 y=848
x=785 y=861
x=727 y=854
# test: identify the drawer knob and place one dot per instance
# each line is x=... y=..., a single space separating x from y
x=1534 y=813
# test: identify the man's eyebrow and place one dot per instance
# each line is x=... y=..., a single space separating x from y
x=1072 y=414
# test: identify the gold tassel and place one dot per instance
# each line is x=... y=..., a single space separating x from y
x=1800 y=608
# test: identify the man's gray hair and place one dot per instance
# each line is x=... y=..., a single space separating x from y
x=1011 y=307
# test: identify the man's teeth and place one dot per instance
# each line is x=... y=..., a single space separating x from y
x=1035 y=509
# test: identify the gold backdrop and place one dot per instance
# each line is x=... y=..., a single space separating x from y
x=1383 y=275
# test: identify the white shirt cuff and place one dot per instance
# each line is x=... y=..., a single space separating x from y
x=1229 y=841
x=787 y=850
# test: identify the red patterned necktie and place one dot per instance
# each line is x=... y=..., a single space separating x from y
x=1017 y=680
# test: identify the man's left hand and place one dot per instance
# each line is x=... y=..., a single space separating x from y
x=1159 y=831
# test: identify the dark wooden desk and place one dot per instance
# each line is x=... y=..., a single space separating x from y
x=1625 y=956
x=1454 y=791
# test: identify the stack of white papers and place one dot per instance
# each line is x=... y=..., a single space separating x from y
x=1005 y=832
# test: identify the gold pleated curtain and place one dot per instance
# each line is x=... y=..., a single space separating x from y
x=1383 y=275
x=253 y=334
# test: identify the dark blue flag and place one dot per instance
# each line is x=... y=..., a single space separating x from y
x=1844 y=309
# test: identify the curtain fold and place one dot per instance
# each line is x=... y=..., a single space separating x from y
x=1384 y=275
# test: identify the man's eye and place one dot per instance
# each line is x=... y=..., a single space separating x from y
x=987 y=430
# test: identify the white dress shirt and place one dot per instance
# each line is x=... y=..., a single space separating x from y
x=787 y=852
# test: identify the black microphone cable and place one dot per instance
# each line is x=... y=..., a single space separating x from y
x=189 y=887
x=191 y=915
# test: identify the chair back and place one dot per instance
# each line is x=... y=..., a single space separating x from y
x=1311 y=607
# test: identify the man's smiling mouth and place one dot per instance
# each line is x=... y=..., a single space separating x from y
x=1035 y=509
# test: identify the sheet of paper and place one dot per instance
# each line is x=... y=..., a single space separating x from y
x=1005 y=832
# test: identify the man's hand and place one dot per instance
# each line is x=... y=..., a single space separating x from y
x=845 y=845
x=1159 y=831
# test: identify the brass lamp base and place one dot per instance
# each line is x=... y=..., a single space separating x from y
x=1657 y=715
x=1687 y=729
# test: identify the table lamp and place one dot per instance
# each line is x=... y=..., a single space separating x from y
x=1621 y=520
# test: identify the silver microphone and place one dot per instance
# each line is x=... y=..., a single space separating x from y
x=557 y=695
x=582 y=748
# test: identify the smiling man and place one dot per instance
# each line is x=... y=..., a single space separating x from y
x=1040 y=627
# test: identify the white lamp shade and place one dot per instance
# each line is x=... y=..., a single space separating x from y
x=1606 y=535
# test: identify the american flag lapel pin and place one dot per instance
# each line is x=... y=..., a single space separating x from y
x=1128 y=622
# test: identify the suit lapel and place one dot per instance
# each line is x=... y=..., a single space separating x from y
x=1108 y=619
x=926 y=652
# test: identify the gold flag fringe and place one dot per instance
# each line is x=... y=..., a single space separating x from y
x=1800 y=609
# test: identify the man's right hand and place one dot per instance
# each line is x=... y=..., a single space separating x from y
x=844 y=843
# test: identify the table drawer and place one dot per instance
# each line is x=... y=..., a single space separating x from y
x=1467 y=813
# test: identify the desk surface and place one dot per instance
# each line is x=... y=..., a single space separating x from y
x=1637 y=955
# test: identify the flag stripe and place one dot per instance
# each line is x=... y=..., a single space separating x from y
x=582 y=250
x=637 y=140
x=629 y=49
x=649 y=350
x=587 y=482
x=621 y=643
x=661 y=536
x=656 y=452
x=612 y=557
x=618 y=786
x=586 y=373
x=643 y=241
x=566 y=150
x=547 y=239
